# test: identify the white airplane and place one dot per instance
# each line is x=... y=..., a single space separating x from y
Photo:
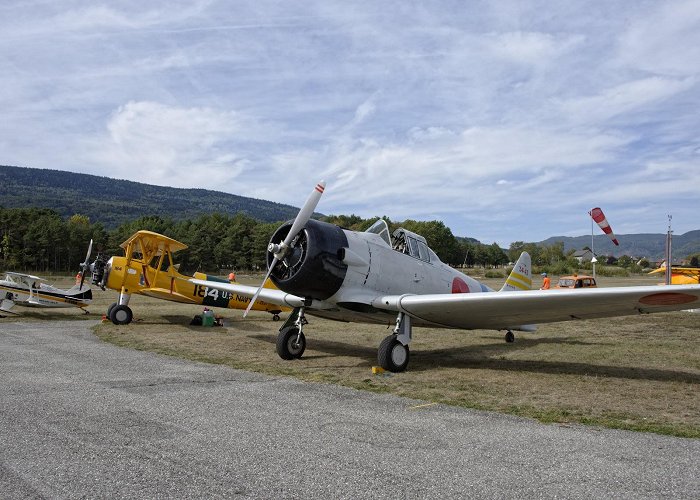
x=378 y=277
x=33 y=291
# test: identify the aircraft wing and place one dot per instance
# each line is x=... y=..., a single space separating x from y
x=514 y=310
x=162 y=293
x=22 y=275
x=269 y=295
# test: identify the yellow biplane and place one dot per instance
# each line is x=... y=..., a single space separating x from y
x=147 y=268
x=681 y=275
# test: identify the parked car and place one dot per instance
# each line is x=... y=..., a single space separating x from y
x=576 y=281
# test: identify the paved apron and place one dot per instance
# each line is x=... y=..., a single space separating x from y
x=81 y=418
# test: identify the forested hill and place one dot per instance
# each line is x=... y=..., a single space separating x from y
x=650 y=246
x=113 y=202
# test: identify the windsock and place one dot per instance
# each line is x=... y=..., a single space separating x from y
x=598 y=216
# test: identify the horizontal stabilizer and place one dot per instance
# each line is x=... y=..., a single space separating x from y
x=6 y=305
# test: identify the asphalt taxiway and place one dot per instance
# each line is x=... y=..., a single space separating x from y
x=81 y=418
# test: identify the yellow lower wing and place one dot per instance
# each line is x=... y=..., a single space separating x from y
x=162 y=293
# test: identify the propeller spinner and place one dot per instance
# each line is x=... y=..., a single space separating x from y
x=281 y=249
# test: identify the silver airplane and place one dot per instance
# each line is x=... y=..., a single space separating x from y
x=376 y=277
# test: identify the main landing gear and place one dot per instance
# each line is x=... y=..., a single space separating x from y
x=393 y=352
x=120 y=313
x=510 y=338
x=291 y=342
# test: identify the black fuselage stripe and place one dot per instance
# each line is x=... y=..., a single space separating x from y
x=79 y=296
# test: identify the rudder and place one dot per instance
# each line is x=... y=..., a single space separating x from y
x=520 y=278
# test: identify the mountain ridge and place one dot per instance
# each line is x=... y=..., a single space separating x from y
x=641 y=245
x=116 y=201
x=113 y=202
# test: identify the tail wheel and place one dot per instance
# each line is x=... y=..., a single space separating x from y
x=290 y=343
x=393 y=355
x=121 y=315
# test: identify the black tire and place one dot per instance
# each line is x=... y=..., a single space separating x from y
x=393 y=355
x=110 y=309
x=510 y=338
x=287 y=346
x=121 y=315
x=275 y=317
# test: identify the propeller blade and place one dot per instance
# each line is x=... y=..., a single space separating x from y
x=255 y=297
x=280 y=250
x=85 y=266
x=89 y=253
x=300 y=221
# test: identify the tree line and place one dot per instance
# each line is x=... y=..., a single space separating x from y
x=38 y=239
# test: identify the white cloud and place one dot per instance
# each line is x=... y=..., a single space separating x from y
x=628 y=97
x=154 y=143
x=531 y=47
x=664 y=40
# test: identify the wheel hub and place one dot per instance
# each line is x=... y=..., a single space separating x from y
x=398 y=354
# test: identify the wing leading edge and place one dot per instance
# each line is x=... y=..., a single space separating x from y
x=506 y=310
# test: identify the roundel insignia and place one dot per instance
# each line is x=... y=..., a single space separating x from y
x=459 y=286
x=664 y=299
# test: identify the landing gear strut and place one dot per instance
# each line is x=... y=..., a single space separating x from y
x=393 y=352
x=291 y=342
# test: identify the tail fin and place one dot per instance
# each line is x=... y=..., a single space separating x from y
x=520 y=278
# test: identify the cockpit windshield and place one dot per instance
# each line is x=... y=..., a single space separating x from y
x=412 y=244
x=381 y=228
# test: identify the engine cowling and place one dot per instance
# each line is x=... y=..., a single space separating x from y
x=312 y=267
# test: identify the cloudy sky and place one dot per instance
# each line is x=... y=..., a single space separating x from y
x=508 y=120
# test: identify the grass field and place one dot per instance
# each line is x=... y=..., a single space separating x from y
x=636 y=372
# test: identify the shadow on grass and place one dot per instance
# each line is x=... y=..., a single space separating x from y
x=185 y=322
x=486 y=357
x=48 y=314
x=429 y=360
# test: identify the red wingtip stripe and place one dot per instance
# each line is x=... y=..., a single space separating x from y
x=319 y=188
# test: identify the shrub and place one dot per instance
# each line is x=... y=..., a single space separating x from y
x=611 y=271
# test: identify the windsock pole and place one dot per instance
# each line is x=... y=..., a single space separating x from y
x=669 y=264
x=593 y=259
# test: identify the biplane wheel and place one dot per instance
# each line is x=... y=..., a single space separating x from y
x=287 y=345
x=510 y=338
x=110 y=309
x=393 y=355
x=121 y=315
x=275 y=317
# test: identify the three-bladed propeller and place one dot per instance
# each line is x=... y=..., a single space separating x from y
x=280 y=250
x=85 y=266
